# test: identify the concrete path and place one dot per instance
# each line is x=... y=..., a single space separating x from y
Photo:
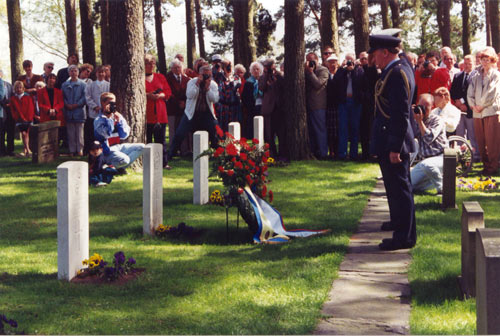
x=371 y=294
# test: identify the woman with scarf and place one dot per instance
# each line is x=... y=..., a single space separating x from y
x=252 y=98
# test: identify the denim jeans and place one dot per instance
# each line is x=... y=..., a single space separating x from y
x=316 y=120
x=122 y=155
x=428 y=174
x=349 y=114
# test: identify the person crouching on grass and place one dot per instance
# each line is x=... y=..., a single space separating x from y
x=99 y=175
x=23 y=112
x=110 y=127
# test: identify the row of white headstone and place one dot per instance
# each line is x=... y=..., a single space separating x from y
x=73 y=197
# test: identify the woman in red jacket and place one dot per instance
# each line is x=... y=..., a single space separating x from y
x=157 y=92
x=23 y=112
x=50 y=101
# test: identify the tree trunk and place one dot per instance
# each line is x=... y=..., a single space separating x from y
x=127 y=63
x=465 y=27
x=384 y=11
x=70 y=10
x=361 y=25
x=105 y=33
x=488 y=27
x=243 y=38
x=443 y=20
x=394 y=4
x=329 y=25
x=494 y=25
x=199 y=28
x=162 y=61
x=88 y=41
x=295 y=104
x=191 y=41
x=15 y=38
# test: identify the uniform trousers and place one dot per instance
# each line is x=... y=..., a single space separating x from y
x=487 y=132
x=400 y=197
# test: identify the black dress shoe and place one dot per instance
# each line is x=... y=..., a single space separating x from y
x=387 y=226
x=392 y=245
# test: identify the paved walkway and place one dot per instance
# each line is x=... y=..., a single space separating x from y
x=371 y=294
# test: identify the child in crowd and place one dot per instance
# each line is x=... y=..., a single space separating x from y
x=99 y=174
x=23 y=113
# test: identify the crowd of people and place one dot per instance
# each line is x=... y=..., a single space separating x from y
x=340 y=95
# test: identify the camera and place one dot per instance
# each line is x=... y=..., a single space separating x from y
x=112 y=108
x=349 y=63
x=156 y=91
x=419 y=109
x=206 y=77
x=228 y=68
x=217 y=66
x=426 y=64
x=312 y=64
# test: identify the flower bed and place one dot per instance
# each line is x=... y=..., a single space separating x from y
x=474 y=184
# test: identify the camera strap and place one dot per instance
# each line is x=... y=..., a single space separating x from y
x=379 y=89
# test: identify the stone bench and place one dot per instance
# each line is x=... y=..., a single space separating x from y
x=488 y=281
x=472 y=219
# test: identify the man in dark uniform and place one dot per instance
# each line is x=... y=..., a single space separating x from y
x=392 y=138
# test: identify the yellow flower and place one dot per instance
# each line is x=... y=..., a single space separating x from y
x=161 y=228
x=216 y=192
x=92 y=264
x=79 y=272
x=213 y=198
x=270 y=160
x=85 y=262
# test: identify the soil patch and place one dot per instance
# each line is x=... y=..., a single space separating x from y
x=95 y=280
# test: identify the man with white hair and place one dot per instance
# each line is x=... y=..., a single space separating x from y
x=48 y=67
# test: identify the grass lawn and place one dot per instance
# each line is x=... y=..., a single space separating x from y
x=207 y=286
x=437 y=305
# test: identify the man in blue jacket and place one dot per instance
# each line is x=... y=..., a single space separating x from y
x=392 y=139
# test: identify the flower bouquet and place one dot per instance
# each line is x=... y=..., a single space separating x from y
x=243 y=167
x=96 y=266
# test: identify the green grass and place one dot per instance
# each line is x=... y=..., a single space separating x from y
x=437 y=305
x=207 y=286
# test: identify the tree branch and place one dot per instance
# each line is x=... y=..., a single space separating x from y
x=315 y=14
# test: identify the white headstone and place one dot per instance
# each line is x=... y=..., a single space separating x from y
x=235 y=130
x=152 y=188
x=200 y=168
x=72 y=218
x=258 y=129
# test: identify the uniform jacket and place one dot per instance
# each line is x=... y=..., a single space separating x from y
x=459 y=90
x=74 y=93
x=178 y=94
x=45 y=106
x=392 y=131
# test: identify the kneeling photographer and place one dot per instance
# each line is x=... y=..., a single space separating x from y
x=432 y=141
x=109 y=129
x=202 y=93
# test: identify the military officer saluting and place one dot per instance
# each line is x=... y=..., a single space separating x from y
x=392 y=138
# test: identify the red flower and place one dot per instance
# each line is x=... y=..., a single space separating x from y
x=266 y=153
x=238 y=165
x=231 y=149
x=249 y=180
x=271 y=196
x=252 y=171
x=230 y=172
x=243 y=141
x=243 y=156
x=240 y=191
x=264 y=191
x=221 y=169
x=255 y=141
x=266 y=146
x=251 y=163
x=247 y=167
x=229 y=135
x=263 y=178
x=264 y=168
x=233 y=160
x=264 y=159
x=218 y=152
x=219 y=131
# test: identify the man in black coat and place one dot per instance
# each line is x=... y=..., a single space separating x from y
x=458 y=94
x=392 y=139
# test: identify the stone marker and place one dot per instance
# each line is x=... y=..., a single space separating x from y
x=200 y=168
x=152 y=184
x=44 y=141
x=472 y=219
x=258 y=129
x=72 y=218
x=487 y=281
x=235 y=130
x=449 y=178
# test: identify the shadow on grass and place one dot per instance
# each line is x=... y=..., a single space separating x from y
x=436 y=291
